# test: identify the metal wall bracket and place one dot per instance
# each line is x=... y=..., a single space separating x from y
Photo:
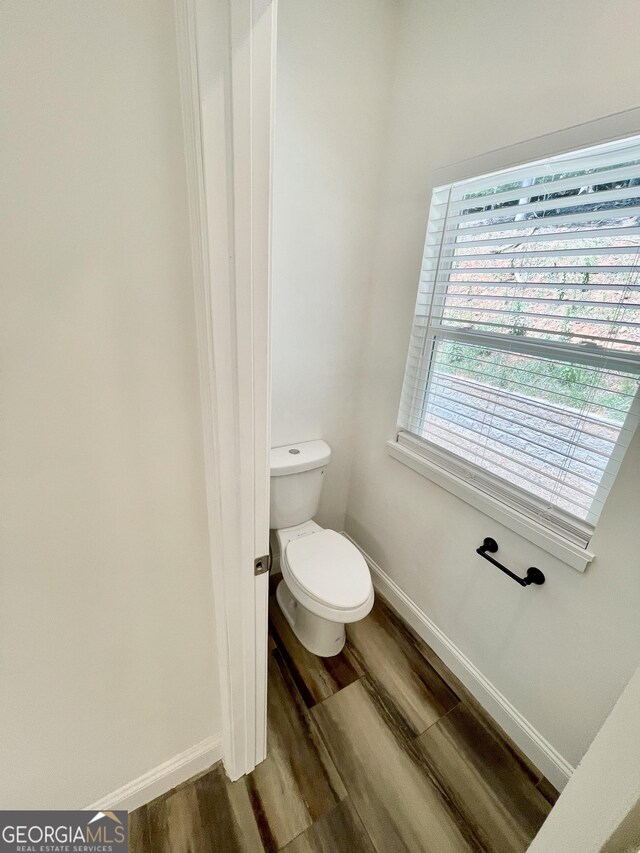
x=261 y=565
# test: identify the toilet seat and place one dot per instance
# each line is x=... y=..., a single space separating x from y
x=328 y=575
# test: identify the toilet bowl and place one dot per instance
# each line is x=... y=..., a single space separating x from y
x=326 y=582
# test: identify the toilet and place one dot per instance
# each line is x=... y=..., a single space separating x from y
x=326 y=582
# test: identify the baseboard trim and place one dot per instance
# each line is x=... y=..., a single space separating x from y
x=162 y=778
x=545 y=757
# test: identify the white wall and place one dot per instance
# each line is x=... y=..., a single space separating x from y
x=472 y=77
x=332 y=84
x=599 y=810
x=107 y=657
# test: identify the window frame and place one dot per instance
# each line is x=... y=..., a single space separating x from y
x=409 y=449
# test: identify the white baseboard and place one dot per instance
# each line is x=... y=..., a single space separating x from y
x=543 y=755
x=162 y=778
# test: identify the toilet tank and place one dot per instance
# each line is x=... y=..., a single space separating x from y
x=297 y=472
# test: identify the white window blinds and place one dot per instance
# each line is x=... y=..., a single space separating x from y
x=523 y=365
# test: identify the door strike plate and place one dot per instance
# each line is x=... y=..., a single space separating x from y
x=261 y=565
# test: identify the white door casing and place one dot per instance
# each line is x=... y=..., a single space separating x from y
x=226 y=54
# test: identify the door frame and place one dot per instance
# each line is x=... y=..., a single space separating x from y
x=226 y=60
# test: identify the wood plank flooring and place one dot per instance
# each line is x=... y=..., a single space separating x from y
x=377 y=750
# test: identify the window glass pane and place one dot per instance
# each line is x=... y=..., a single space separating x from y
x=547 y=427
x=574 y=290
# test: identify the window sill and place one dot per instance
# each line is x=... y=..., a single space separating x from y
x=570 y=553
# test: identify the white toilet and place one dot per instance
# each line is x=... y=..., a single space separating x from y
x=326 y=582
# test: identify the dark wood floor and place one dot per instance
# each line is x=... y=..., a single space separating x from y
x=377 y=750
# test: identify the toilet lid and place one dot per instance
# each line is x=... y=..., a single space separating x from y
x=330 y=569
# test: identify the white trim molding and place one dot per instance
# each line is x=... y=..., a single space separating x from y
x=595 y=132
x=543 y=755
x=162 y=778
x=550 y=541
x=225 y=58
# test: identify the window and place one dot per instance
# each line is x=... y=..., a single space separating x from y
x=524 y=359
